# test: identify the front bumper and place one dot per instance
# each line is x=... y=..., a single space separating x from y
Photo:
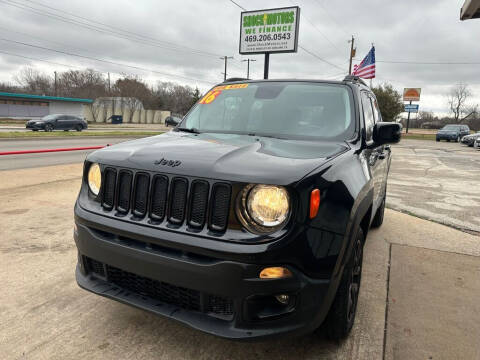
x=252 y=310
x=35 y=126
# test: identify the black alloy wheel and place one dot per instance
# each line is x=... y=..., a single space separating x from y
x=341 y=317
x=79 y=127
x=355 y=279
x=48 y=127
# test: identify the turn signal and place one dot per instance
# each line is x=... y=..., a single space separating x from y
x=314 y=203
x=276 y=272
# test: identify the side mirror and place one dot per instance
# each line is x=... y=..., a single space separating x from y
x=175 y=122
x=386 y=133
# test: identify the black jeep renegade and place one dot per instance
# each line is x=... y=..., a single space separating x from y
x=248 y=219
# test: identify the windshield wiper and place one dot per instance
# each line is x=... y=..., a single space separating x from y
x=189 y=130
x=267 y=136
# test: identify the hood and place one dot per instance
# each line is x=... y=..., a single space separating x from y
x=442 y=131
x=222 y=156
x=472 y=136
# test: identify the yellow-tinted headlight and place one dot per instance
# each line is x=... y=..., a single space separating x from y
x=268 y=205
x=94 y=178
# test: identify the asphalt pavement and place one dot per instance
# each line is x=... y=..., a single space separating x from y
x=10 y=162
x=437 y=181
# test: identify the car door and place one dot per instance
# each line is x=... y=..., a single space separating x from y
x=61 y=123
x=373 y=154
x=73 y=121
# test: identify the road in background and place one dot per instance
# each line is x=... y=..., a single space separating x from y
x=437 y=181
x=10 y=162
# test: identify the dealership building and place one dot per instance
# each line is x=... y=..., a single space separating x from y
x=26 y=106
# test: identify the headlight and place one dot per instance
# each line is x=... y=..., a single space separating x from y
x=264 y=208
x=94 y=178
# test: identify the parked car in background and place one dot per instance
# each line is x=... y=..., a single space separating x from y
x=476 y=143
x=172 y=121
x=57 y=122
x=453 y=132
x=470 y=139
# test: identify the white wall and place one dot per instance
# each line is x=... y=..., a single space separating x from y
x=66 y=108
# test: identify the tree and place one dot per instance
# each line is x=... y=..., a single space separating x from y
x=457 y=100
x=389 y=101
x=132 y=92
x=82 y=83
x=33 y=81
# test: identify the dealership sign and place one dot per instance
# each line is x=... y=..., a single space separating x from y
x=411 y=94
x=269 y=31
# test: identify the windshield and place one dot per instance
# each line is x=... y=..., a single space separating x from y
x=48 y=117
x=277 y=109
x=450 y=127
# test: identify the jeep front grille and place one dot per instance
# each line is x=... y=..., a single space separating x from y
x=174 y=199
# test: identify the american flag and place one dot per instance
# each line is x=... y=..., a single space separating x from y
x=366 y=69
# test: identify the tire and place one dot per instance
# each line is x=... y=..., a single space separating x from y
x=78 y=127
x=378 y=218
x=341 y=316
x=48 y=127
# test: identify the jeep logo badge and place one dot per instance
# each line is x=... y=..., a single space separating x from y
x=165 y=162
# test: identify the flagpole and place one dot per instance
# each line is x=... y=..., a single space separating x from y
x=371 y=78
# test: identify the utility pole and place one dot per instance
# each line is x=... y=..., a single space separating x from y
x=55 y=82
x=225 y=59
x=248 y=66
x=352 y=54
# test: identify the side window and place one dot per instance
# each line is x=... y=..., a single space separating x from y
x=368 y=115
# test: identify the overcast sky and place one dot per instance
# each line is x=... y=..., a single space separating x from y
x=182 y=40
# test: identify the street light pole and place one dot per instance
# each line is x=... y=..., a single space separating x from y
x=248 y=66
x=225 y=59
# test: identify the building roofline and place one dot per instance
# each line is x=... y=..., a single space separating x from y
x=42 y=97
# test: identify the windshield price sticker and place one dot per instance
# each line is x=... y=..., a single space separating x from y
x=273 y=30
x=217 y=90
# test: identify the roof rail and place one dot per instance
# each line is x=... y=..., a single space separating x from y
x=236 y=79
x=354 y=78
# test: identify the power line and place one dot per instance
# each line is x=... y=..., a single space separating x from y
x=37 y=59
x=136 y=38
x=331 y=17
x=426 y=63
x=240 y=6
x=319 y=31
x=107 y=61
x=319 y=58
x=119 y=29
